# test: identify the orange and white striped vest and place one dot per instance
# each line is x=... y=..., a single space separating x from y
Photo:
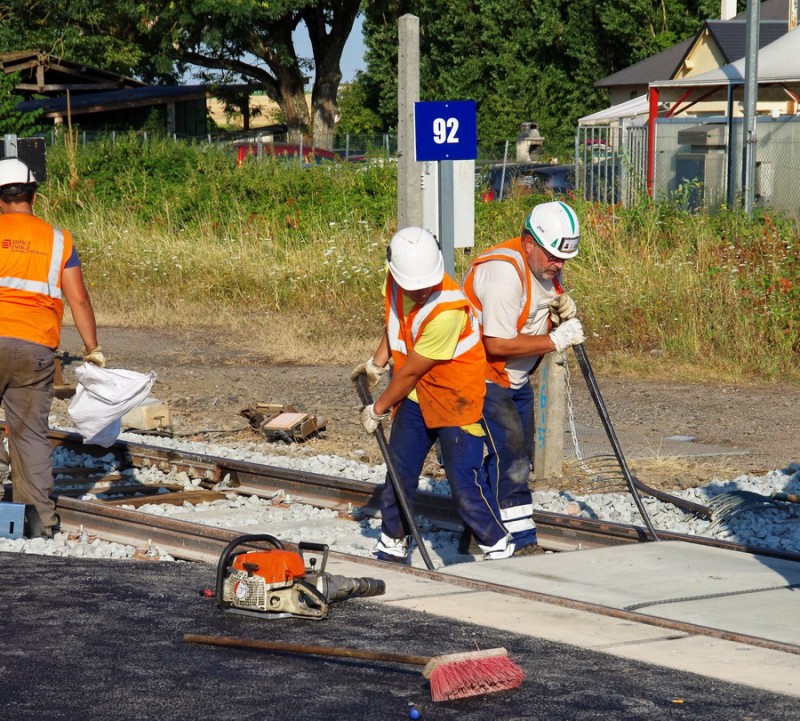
x=511 y=251
x=451 y=393
x=32 y=257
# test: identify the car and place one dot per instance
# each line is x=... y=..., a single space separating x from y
x=525 y=178
x=288 y=151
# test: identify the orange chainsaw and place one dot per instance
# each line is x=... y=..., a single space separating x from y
x=271 y=581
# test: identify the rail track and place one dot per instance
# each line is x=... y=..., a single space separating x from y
x=350 y=498
x=118 y=520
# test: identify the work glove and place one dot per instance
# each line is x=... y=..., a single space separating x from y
x=568 y=334
x=562 y=308
x=371 y=370
x=371 y=420
x=96 y=357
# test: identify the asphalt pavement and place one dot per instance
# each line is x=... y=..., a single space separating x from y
x=86 y=640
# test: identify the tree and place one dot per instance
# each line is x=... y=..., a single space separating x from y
x=247 y=41
x=521 y=60
x=12 y=121
x=355 y=114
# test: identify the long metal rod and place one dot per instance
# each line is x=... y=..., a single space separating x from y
x=594 y=391
x=366 y=399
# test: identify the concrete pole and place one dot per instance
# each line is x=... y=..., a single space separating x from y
x=409 y=173
x=550 y=412
x=750 y=104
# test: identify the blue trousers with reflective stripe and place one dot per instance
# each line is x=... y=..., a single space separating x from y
x=508 y=419
x=462 y=454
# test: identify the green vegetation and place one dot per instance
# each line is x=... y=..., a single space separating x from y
x=520 y=60
x=173 y=234
x=233 y=41
x=11 y=121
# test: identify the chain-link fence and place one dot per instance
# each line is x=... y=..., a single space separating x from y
x=697 y=163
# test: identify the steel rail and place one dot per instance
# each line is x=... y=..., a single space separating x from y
x=206 y=543
x=354 y=498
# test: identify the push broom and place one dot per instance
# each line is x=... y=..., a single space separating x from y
x=452 y=676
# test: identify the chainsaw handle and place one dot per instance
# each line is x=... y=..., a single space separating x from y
x=320 y=548
x=229 y=551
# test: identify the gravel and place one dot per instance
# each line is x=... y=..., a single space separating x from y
x=772 y=526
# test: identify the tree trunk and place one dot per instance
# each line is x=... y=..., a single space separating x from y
x=323 y=107
x=328 y=34
x=294 y=107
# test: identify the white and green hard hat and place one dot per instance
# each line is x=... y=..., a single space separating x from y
x=555 y=227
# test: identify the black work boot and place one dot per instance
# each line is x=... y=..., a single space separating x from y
x=35 y=527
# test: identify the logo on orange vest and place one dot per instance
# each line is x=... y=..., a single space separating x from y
x=11 y=244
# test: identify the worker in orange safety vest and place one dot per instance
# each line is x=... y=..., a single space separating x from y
x=435 y=394
x=515 y=289
x=39 y=268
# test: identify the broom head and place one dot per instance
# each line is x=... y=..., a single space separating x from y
x=473 y=673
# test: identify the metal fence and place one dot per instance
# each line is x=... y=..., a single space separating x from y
x=697 y=163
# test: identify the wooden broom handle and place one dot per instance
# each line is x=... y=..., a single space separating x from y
x=282 y=647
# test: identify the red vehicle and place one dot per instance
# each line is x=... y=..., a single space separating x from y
x=289 y=151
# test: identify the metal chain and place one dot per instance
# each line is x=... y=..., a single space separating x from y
x=563 y=361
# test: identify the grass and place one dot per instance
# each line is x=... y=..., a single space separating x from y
x=291 y=259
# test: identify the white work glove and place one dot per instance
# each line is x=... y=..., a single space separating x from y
x=370 y=420
x=96 y=357
x=562 y=308
x=568 y=334
x=371 y=370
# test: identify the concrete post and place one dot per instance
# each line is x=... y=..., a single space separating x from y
x=550 y=408
x=409 y=175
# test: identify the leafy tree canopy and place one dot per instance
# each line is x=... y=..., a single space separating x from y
x=521 y=60
x=11 y=121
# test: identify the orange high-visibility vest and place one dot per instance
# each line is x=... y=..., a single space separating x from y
x=451 y=393
x=32 y=258
x=511 y=251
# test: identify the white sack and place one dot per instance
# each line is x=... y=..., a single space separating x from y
x=102 y=397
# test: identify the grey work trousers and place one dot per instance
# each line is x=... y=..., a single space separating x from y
x=26 y=391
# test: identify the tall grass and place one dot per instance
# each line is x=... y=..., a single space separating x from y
x=292 y=259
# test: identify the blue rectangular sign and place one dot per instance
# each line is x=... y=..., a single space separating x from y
x=445 y=130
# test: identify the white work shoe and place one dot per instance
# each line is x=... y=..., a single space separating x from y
x=504 y=548
x=397 y=548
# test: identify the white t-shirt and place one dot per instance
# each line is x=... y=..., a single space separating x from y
x=498 y=287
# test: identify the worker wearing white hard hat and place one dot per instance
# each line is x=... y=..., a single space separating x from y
x=39 y=268
x=516 y=292
x=435 y=393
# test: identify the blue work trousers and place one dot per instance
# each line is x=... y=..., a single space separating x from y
x=462 y=454
x=508 y=419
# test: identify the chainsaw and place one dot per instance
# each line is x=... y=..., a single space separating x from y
x=271 y=581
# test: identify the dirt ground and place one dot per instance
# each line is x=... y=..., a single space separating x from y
x=208 y=379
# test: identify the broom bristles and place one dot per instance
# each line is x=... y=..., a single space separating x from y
x=461 y=675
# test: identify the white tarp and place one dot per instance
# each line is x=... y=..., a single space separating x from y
x=778 y=62
x=628 y=109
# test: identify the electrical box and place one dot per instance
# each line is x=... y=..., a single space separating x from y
x=30 y=151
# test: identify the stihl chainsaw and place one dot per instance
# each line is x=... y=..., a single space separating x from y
x=271 y=581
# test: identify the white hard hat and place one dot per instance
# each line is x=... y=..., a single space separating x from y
x=14 y=172
x=555 y=227
x=415 y=260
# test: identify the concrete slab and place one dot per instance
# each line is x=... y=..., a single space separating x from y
x=745 y=595
x=672 y=579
